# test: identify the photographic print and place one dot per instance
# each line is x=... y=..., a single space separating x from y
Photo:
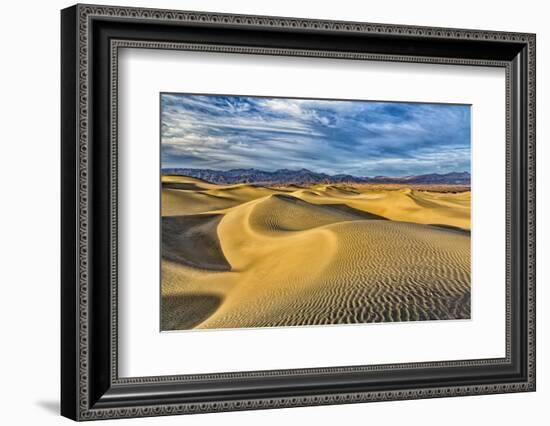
x=279 y=212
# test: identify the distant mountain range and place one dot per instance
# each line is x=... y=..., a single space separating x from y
x=307 y=177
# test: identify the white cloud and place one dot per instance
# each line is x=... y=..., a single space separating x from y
x=329 y=136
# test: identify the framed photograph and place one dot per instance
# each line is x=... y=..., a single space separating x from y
x=263 y=212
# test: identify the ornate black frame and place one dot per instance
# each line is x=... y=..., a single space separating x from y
x=91 y=37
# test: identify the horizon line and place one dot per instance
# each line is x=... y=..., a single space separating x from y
x=311 y=171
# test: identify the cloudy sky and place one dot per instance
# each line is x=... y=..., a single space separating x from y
x=356 y=137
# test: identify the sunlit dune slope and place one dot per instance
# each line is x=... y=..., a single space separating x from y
x=185 y=195
x=400 y=204
x=309 y=256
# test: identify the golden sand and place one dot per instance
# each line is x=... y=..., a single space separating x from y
x=247 y=256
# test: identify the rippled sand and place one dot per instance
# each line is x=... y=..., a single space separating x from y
x=246 y=256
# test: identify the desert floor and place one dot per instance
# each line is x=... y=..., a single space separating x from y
x=249 y=256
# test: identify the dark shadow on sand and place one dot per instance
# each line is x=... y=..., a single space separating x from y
x=184 y=312
x=193 y=240
x=452 y=228
x=183 y=186
x=339 y=208
x=350 y=210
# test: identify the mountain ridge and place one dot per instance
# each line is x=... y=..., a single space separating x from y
x=305 y=176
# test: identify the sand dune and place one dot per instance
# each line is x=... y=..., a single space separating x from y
x=307 y=256
x=404 y=205
x=192 y=240
x=184 y=195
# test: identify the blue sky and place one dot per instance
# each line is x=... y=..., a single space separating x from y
x=361 y=138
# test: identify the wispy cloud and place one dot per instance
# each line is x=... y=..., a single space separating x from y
x=331 y=136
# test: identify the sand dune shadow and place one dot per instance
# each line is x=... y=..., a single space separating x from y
x=193 y=240
x=184 y=312
x=451 y=228
x=182 y=186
